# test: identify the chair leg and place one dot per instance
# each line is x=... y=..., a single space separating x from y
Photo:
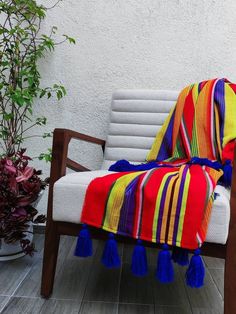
x=230 y=277
x=52 y=239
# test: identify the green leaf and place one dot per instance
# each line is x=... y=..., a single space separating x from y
x=41 y=121
x=59 y=94
x=8 y=116
x=46 y=156
x=63 y=90
x=45 y=135
x=70 y=39
x=43 y=92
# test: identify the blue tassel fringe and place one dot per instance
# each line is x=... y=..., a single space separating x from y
x=180 y=256
x=139 y=260
x=196 y=272
x=165 y=270
x=84 y=246
x=227 y=176
x=110 y=256
x=165 y=273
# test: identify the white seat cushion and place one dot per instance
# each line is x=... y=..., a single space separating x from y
x=69 y=193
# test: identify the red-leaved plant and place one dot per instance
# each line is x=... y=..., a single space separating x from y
x=20 y=186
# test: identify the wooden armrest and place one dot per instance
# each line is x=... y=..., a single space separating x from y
x=76 y=135
x=60 y=160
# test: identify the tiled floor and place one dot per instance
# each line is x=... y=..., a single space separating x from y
x=84 y=286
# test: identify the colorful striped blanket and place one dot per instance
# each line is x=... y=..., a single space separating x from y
x=169 y=198
x=171 y=204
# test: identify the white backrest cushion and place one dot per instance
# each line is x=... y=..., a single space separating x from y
x=136 y=117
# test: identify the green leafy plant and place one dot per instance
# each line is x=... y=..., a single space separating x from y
x=21 y=47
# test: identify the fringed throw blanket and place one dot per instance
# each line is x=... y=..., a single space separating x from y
x=169 y=199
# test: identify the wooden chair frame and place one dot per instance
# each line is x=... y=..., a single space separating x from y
x=54 y=229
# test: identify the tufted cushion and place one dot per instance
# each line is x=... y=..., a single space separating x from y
x=136 y=116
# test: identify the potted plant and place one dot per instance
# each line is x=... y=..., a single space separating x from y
x=20 y=187
x=21 y=47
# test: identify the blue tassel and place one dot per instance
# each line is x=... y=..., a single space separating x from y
x=227 y=176
x=196 y=271
x=110 y=256
x=206 y=162
x=84 y=246
x=165 y=270
x=180 y=256
x=139 y=260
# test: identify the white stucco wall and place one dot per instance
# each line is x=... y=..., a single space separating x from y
x=160 y=44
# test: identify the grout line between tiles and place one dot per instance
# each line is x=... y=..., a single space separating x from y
x=119 y=281
x=186 y=292
x=12 y=295
x=86 y=285
x=215 y=283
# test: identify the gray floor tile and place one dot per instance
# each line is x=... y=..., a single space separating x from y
x=71 y=274
x=207 y=297
x=41 y=306
x=101 y=289
x=30 y=286
x=98 y=308
x=71 y=278
x=13 y=272
x=3 y=302
x=172 y=310
x=135 y=309
x=218 y=278
x=66 y=247
x=135 y=289
x=207 y=311
x=212 y=262
x=103 y=283
x=172 y=294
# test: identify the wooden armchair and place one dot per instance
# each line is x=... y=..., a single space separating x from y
x=136 y=116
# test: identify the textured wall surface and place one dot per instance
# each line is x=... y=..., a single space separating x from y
x=163 y=44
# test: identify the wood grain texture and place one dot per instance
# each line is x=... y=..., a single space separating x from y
x=98 y=308
x=40 y=306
